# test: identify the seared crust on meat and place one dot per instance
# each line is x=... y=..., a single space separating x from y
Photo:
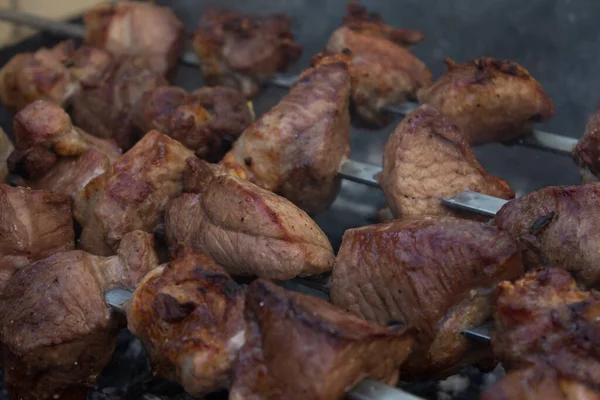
x=6 y=149
x=437 y=274
x=489 y=100
x=587 y=152
x=427 y=159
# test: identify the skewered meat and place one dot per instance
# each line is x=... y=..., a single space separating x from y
x=132 y=195
x=489 y=100
x=199 y=120
x=544 y=319
x=587 y=152
x=296 y=149
x=538 y=384
x=6 y=148
x=556 y=226
x=427 y=159
x=301 y=347
x=438 y=274
x=41 y=75
x=243 y=51
x=384 y=72
x=260 y=234
x=56 y=331
x=33 y=224
x=137 y=29
x=189 y=315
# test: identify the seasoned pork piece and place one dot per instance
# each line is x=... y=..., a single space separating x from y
x=34 y=224
x=384 y=72
x=200 y=120
x=6 y=148
x=538 y=384
x=544 y=319
x=438 y=274
x=260 y=234
x=132 y=195
x=41 y=75
x=489 y=100
x=190 y=316
x=296 y=149
x=137 y=29
x=301 y=347
x=427 y=159
x=557 y=226
x=243 y=51
x=56 y=331
x=587 y=152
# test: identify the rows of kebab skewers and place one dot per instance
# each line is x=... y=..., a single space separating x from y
x=103 y=142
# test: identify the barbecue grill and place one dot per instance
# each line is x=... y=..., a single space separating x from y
x=553 y=39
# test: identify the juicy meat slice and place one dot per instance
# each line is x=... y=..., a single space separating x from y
x=427 y=159
x=56 y=331
x=260 y=234
x=301 y=347
x=489 y=100
x=41 y=75
x=243 y=51
x=137 y=29
x=438 y=274
x=296 y=149
x=384 y=72
x=132 y=195
x=557 y=226
x=200 y=120
x=545 y=320
x=6 y=148
x=587 y=152
x=190 y=316
x=34 y=224
x=538 y=384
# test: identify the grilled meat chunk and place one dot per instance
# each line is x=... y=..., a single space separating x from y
x=427 y=159
x=137 y=29
x=384 y=72
x=190 y=316
x=34 y=224
x=538 y=384
x=296 y=149
x=56 y=331
x=556 y=226
x=545 y=320
x=200 y=120
x=260 y=234
x=438 y=274
x=489 y=100
x=292 y=335
x=587 y=152
x=132 y=195
x=41 y=75
x=243 y=51
x=6 y=148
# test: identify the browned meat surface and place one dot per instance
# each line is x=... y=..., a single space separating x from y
x=110 y=91
x=384 y=72
x=199 y=120
x=56 y=331
x=538 y=384
x=587 y=152
x=427 y=159
x=6 y=148
x=544 y=319
x=137 y=29
x=41 y=75
x=438 y=274
x=296 y=149
x=33 y=224
x=260 y=234
x=489 y=100
x=132 y=195
x=301 y=347
x=190 y=316
x=557 y=226
x=243 y=51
